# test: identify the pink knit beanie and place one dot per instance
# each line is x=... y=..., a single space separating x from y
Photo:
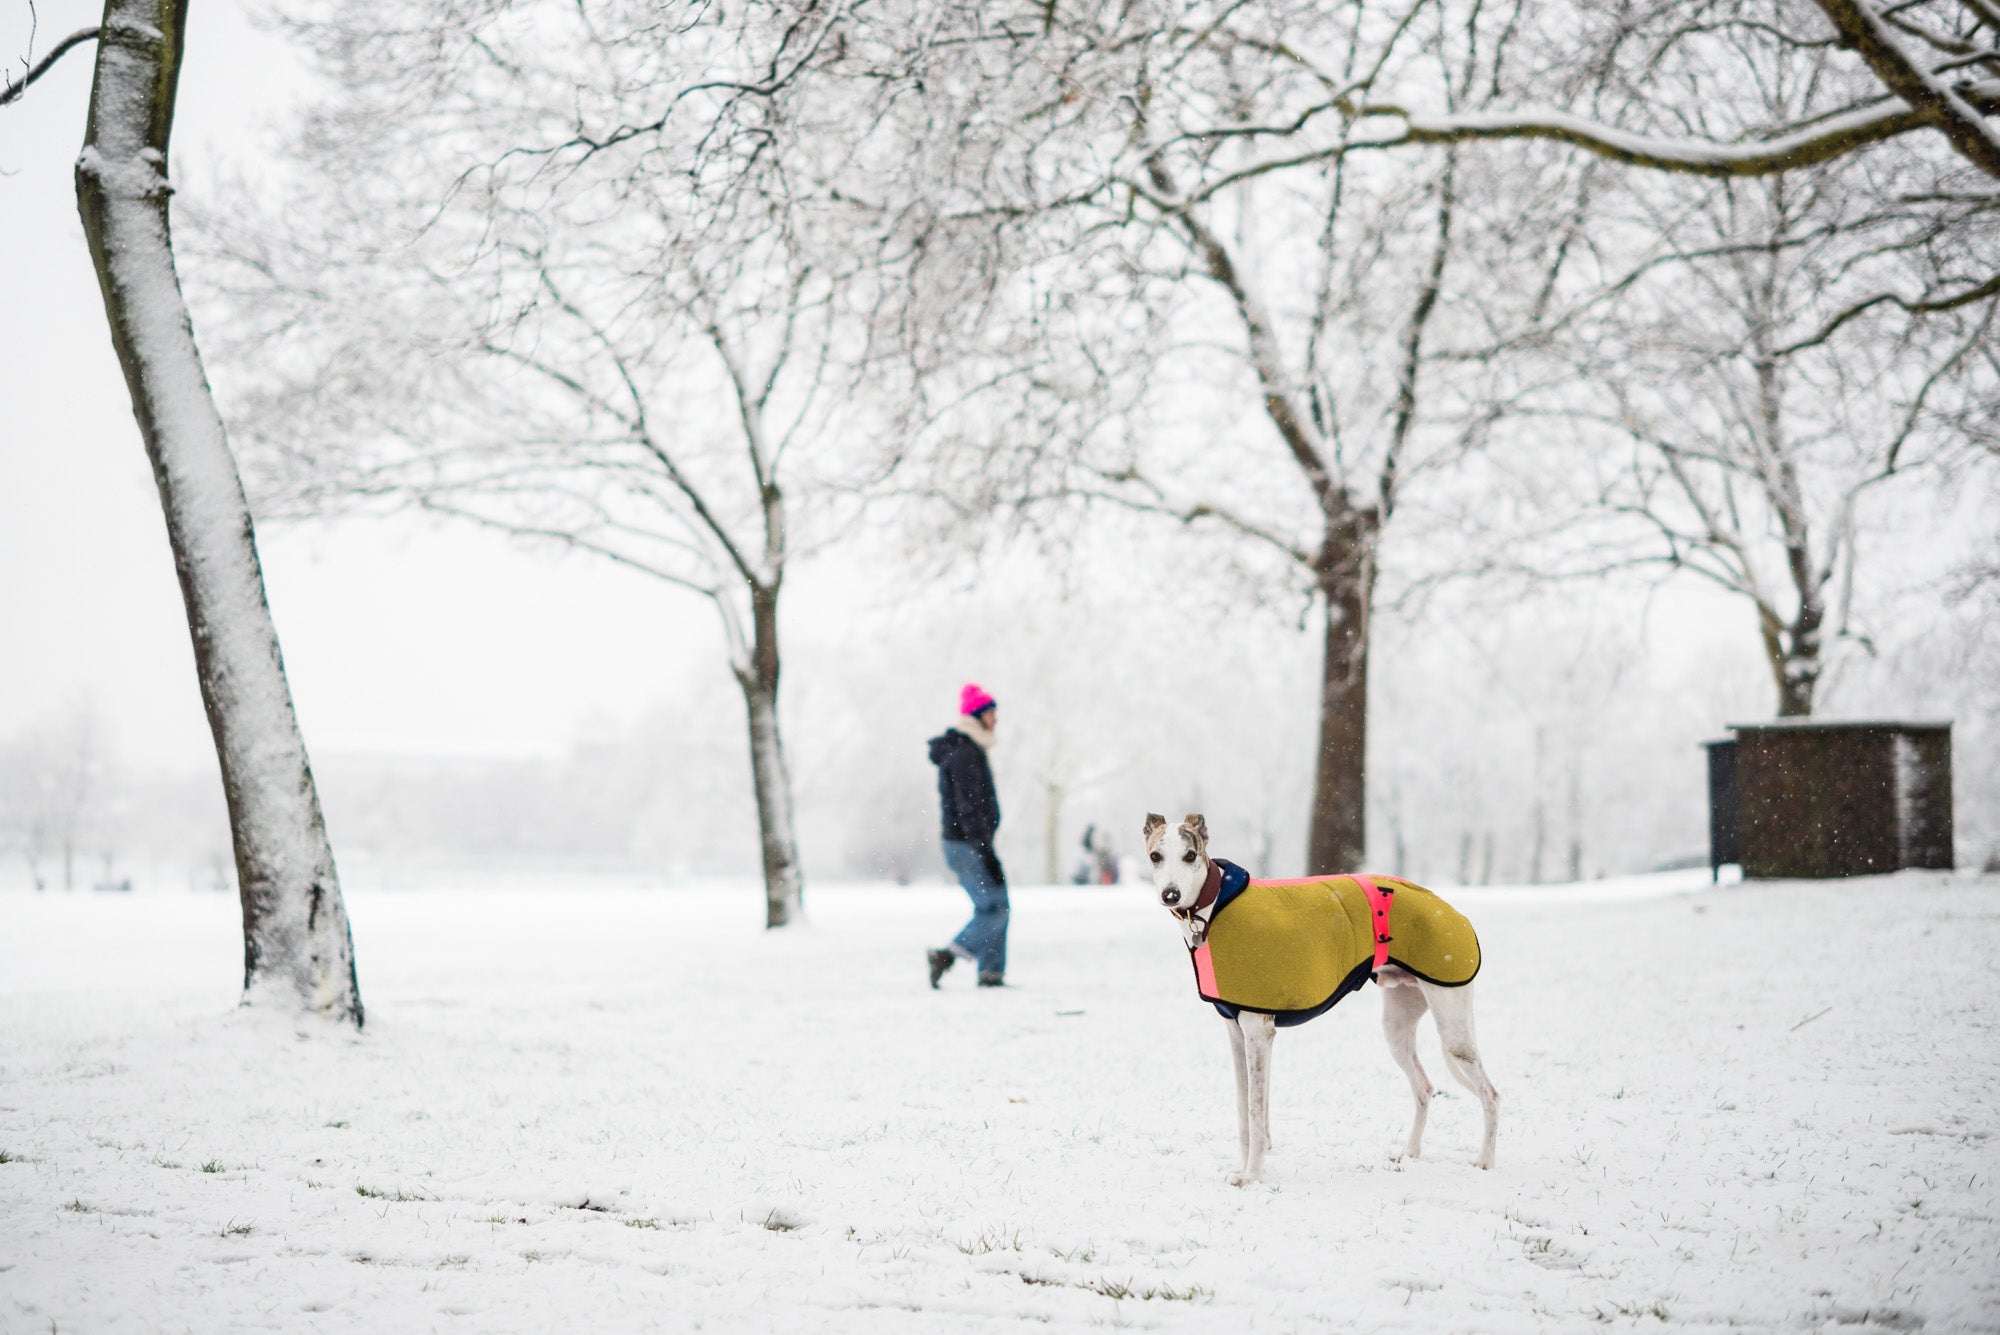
x=972 y=699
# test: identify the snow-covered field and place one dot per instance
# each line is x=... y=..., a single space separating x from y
x=1766 y=1108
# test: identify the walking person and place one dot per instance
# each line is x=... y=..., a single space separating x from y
x=971 y=818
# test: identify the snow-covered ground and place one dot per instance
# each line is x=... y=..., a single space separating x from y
x=1766 y=1107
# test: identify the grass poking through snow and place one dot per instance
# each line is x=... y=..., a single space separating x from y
x=375 y=1195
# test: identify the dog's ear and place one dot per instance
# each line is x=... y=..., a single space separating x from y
x=1196 y=826
x=1155 y=822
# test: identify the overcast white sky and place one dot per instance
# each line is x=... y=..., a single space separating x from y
x=406 y=640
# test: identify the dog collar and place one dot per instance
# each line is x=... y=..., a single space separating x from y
x=1211 y=889
x=1196 y=915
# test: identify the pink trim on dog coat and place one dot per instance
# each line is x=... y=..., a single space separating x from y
x=1204 y=971
x=1379 y=903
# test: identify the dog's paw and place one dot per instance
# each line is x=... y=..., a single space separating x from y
x=1244 y=1179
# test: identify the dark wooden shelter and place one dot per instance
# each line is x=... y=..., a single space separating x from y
x=1807 y=797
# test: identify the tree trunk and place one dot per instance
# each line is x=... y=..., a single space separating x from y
x=297 y=951
x=1346 y=571
x=783 y=884
x=1575 y=814
x=1538 y=842
x=1795 y=672
x=1795 y=693
x=1792 y=652
x=1052 y=835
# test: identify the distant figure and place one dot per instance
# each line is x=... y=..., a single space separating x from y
x=1099 y=865
x=971 y=818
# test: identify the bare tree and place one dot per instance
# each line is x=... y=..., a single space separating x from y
x=297 y=951
x=1816 y=111
x=1768 y=384
x=630 y=341
x=50 y=778
x=72 y=783
x=1313 y=289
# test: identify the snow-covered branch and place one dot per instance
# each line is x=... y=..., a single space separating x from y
x=1956 y=110
x=1830 y=138
x=1825 y=141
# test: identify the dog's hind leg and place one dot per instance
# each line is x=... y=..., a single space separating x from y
x=1403 y=1005
x=1242 y=1092
x=1258 y=1030
x=1452 y=1007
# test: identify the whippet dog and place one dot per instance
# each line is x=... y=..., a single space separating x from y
x=1269 y=954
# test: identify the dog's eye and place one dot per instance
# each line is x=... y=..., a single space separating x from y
x=1188 y=856
x=1159 y=857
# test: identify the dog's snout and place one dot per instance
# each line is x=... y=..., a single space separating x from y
x=1170 y=896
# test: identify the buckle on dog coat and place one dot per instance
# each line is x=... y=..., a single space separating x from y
x=1380 y=901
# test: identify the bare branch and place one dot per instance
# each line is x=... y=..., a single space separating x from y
x=1265 y=356
x=14 y=90
x=1403 y=414
x=1193 y=514
x=1925 y=306
x=564 y=537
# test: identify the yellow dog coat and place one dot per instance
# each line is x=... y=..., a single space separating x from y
x=1293 y=948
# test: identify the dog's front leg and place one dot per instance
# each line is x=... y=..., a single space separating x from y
x=1257 y=1031
x=1242 y=1095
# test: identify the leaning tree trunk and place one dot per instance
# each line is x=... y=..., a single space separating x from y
x=297 y=951
x=783 y=885
x=1346 y=572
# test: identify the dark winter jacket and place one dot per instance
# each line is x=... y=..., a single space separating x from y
x=965 y=788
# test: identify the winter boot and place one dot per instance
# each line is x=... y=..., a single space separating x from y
x=940 y=960
x=992 y=980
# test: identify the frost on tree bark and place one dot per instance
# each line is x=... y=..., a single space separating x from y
x=297 y=951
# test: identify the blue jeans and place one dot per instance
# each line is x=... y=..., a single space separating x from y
x=985 y=937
